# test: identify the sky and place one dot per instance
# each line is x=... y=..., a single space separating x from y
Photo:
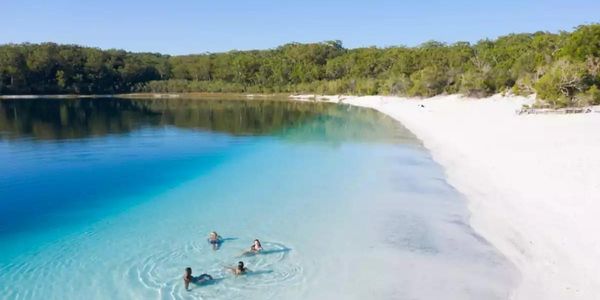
x=198 y=26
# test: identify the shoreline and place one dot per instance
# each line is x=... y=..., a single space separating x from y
x=529 y=181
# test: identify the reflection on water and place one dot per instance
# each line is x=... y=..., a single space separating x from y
x=50 y=119
x=107 y=147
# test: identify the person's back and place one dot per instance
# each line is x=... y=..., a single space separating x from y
x=240 y=269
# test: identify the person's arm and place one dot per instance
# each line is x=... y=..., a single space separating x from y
x=186 y=283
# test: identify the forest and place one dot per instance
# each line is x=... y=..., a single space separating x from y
x=563 y=69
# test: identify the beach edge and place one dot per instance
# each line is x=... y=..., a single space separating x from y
x=549 y=237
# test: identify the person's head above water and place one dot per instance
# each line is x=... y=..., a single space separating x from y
x=241 y=265
x=188 y=271
x=257 y=244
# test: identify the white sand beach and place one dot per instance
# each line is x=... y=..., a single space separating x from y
x=532 y=182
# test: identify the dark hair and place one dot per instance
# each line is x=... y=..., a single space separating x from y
x=188 y=270
x=256 y=240
x=240 y=265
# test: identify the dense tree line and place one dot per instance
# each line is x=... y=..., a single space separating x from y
x=562 y=68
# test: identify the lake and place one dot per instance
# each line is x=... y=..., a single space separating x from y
x=114 y=198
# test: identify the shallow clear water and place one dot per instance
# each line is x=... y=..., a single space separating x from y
x=113 y=198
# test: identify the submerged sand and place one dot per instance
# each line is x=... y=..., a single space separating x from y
x=532 y=181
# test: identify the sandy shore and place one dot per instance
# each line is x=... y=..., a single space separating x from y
x=532 y=182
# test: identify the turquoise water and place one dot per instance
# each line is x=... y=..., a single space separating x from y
x=113 y=198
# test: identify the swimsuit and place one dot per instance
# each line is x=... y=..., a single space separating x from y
x=217 y=241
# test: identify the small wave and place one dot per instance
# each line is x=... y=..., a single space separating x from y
x=161 y=272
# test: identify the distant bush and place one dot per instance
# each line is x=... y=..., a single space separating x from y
x=590 y=97
x=396 y=85
x=428 y=82
x=472 y=83
x=563 y=81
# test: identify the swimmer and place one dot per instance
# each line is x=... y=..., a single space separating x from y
x=256 y=246
x=215 y=240
x=254 y=249
x=187 y=278
x=240 y=269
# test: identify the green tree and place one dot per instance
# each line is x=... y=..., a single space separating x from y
x=561 y=83
x=562 y=68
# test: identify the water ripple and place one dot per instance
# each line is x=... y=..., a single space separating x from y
x=161 y=272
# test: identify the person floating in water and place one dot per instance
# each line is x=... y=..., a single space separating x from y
x=215 y=240
x=256 y=246
x=188 y=277
x=254 y=249
x=240 y=269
